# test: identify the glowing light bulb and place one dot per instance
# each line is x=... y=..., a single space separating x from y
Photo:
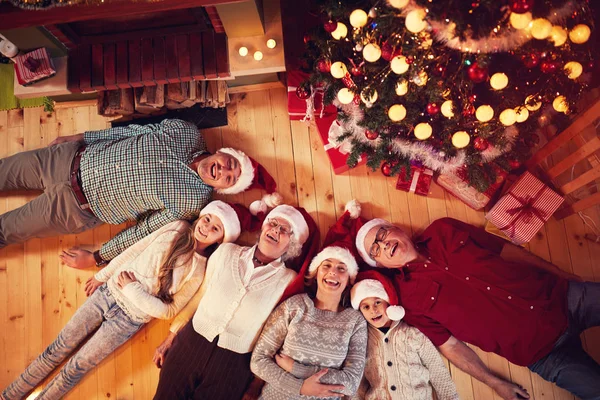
x=423 y=131
x=398 y=3
x=532 y=104
x=338 y=70
x=574 y=69
x=484 y=113
x=558 y=35
x=415 y=20
x=345 y=96
x=397 y=112
x=541 y=28
x=368 y=100
x=399 y=65
x=358 y=18
x=371 y=52
x=522 y=114
x=460 y=139
x=447 y=109
x=258 y=55
x=499 y=81
x=560 y=104
x=520 y=21
x=508 y=117
x=401 y=87
x=580 y=34
x=243 y=51
x=271 y=43
x=340 y=32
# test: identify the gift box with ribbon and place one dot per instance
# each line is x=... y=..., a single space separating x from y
x=329 y=130
x=457 y=184
x=418 y=182
x=524 y=209
x=307 y=108
x=33 y=66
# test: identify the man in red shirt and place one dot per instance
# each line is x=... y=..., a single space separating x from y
x=460 y=284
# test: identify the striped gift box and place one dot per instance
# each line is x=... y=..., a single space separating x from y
x=524 y=209
x=45 y=70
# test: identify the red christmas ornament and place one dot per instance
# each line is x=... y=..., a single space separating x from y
x=302 y=92
x=476 y=73
x=480 y=144
x=532 y=140
x=386 y=168
x=330 y=26
x=433 y=108
x=410 y=60
x=307 y=38
x=530 y=60
x=371 y=135
x=468 y=111
x=324 y=65
x=521 y=6
x=549 y=67
x=356 y=71
x=514 y=164
x=387 y=52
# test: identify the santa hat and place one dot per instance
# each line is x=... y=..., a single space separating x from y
x=374 y=284
x=253 y=175
x=360 y=239
x=339 y=243
x=296 y=219
x=234 y=217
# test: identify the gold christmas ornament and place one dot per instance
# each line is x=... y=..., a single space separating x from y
x=401 y=87
x=460 y=139
x=574 y=69
x=399 y=65
x=340 y=32
x=499 y=81
x=338 y=70
x=423 y=131
x=345 y=96
x=520 y=21
x=358 y=18
x=398 y=3
x=397 y=112
x=580 y=34
x=415 y=20
x=508 y=117
x=371 y=52
x=368 y=100
x=447 y=109
x=522 y=114
x=560 y=104
x=484 y=113
x=421 y=79
x=541 y=28
x=558 y=35
x=532 y=104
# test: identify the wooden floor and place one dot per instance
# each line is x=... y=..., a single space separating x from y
x=38 y=295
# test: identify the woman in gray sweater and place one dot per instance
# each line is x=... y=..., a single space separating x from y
x=313 y=345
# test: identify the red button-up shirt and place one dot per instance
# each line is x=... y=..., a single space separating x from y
x=468 y=291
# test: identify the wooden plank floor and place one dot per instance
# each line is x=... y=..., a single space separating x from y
x=38 y=295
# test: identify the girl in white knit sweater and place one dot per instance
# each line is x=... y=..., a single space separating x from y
x=402 y=363
x=154 y=278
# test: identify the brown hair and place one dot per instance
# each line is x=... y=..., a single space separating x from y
x=183 y=247
x=310 y=282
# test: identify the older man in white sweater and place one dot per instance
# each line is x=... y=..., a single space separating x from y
x=210 y=357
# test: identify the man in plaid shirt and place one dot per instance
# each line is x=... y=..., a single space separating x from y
x=153 y=174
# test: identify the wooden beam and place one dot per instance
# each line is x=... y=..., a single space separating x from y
x=581 y=180
x=590 y=148
x=578 y=206
x=14 y=17
x=256 y=87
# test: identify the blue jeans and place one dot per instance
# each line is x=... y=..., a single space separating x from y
x=568 y=365
x=99 y=312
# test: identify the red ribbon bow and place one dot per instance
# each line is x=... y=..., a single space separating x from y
x=526 y=211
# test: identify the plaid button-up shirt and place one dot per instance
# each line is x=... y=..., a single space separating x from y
x=142 y=173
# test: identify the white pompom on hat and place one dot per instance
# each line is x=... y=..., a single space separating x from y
x=360 y=239
x=374 y=284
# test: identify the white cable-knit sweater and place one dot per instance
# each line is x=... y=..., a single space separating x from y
x=144 y=259
x=403 y=364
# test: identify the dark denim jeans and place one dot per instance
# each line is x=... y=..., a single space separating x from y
x=568 y=365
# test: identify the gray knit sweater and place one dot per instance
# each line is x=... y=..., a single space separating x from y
x=315 y=339
x=403 y=364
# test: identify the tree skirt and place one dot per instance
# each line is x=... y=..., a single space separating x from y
x=7 y=99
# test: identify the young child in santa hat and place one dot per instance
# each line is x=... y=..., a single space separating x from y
x=402 y=363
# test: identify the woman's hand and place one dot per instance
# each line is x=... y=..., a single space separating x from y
x=313 y=387
x=284 y=362
x=91 y=285
x=125 y=278
x=161 y=351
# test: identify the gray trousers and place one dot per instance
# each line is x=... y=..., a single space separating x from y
x=54 y=212
x=114 y=327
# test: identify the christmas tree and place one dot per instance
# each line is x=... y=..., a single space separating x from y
x=453 y=85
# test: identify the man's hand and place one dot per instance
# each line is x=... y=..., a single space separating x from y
x=78 y=258
x=64 y=139
x=161 y=351
x=313 y=387
x=125 y=278
x=510 y=391
x=91 y=285
x=284 y=362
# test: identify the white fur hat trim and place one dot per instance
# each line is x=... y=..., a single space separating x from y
x=228 y=217
x=373 y=288
x=339 y=253
x=294 y=217
x=246 y=175
x=360 y=239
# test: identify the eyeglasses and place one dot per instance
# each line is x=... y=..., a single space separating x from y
x=273 y=223
x=375 y=249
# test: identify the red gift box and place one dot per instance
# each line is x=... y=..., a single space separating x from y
x=418 y=182
x=457 y=184
x=524 y=209
x=24 y=71
x=297 y=107
x=329 y=129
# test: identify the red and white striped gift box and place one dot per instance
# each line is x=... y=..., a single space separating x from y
x=524 y=209
x=45 y=70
